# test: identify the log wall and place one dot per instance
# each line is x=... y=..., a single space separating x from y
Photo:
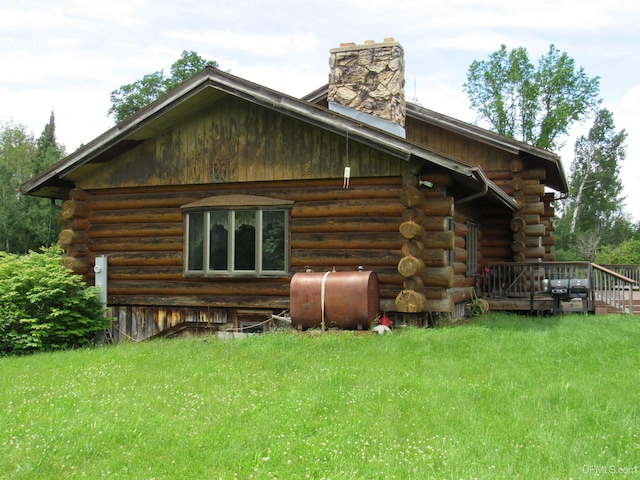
x=141 y=232
x=531 y=226
x=427 y=242
x=526 y=184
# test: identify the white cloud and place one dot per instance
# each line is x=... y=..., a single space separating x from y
x=295 y=82
x=626 y=115
x=490 y=14
x=74 y=124
x=434 y=94
x=255 y=44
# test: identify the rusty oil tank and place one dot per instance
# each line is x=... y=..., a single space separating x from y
x=346 y=300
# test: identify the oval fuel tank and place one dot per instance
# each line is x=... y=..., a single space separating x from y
x=346 y=300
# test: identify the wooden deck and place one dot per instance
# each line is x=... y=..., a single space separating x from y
x=542 y=305
x=509 y=287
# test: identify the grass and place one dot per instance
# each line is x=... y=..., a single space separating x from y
x=504 y=397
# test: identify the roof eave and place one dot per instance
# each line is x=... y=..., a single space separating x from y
x=515 y=147
x=114 y=135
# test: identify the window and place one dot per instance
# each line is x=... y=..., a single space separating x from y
x=472 y=248
x=451 y=253
x=225 y=236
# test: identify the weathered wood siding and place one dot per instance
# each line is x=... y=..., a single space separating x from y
x=236 y=141
x=465 y=150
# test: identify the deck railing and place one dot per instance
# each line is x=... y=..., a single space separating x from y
x=520 y=280
x=529 y=280
x=613 y=288
x=629 y=271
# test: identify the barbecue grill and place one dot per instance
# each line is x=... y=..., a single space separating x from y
x=566 y=289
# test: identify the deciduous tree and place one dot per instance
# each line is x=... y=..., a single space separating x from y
x=130 y=98
x=534 y=105
x=17 y=146
x=595 y=183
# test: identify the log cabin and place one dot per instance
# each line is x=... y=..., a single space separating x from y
x=208 y=201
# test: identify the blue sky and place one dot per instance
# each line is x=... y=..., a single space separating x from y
x=67 y=56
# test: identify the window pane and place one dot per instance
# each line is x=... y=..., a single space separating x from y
x=195 y=248
x=451 y=253
x=273 y=240
x=245 y=240
x=472 y=248
x=219 y=239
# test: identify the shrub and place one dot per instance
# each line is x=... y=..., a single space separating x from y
x=625 y=253
x=44 y=306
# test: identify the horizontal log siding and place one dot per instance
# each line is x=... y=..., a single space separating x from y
x=513 y=174
x=141 y=231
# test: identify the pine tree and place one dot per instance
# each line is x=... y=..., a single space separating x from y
x=48 y=150
x=595 y=208
x=26 y=223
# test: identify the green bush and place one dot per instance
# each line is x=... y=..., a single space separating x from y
x=625 y=253
x=44 y=306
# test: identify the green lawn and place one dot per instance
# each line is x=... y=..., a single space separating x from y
x=502 y=398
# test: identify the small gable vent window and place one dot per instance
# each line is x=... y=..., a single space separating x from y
x=237 y=235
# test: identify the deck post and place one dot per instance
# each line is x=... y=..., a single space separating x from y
x=531 y=288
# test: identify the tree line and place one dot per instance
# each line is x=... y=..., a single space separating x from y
x=26 y=222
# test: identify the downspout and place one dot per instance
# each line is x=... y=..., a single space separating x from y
x=485 y=182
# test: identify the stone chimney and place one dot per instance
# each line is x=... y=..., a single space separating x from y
x=369 y=79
